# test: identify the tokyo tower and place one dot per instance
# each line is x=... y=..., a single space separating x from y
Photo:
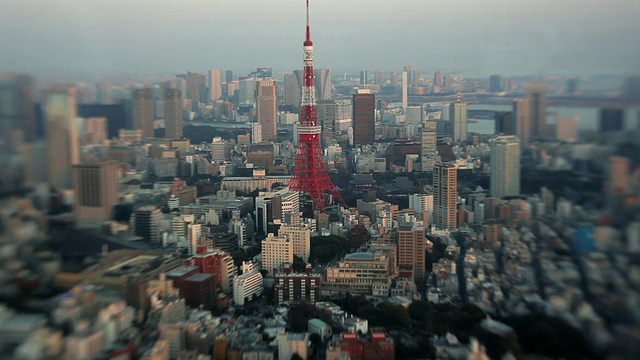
x=309 y=173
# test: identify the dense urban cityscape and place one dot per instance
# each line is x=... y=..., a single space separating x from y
x=407 y=213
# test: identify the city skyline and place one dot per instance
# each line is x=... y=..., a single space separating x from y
x=523 y=38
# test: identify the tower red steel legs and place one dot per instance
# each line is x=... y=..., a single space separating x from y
x=309 y=173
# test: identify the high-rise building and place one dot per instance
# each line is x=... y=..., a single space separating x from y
x=62 y=135
x=536 y=95
x=407 y=68
x=95 y=130
x=445 y=194
x=276 y=251
x=327 y=115
x=521 y=119
x=215 y=85
x=428 y=145
x=505 y=123
x=267 y=109
x=458 y=120
x=145 y=222
x=363 y=77
x=495 y=83
x=415 y=115
x=95 y=188
x=412 y=248
x=415 y=78
x=172 y=113
x=446 y=83
x=256 y=133
x=505 y=166
x=300 y=235
x=193 y=90
x=393 y=78
x=143 y=115
x=291 y=90
x=323 y=84
x=247 y=91
x=405 y=89
x=363 y=118
x=16 y=106
x=437 y=79
x=378 y=78
x=228 y=76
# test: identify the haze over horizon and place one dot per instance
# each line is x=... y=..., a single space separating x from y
x=516 y=37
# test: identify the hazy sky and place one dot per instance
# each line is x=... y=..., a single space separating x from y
x=514 y=37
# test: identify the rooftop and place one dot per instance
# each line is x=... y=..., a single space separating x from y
x=199 y=277
x=359 y=256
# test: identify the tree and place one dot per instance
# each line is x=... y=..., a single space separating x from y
x=298 y=264
x=419 y=309
x=240 y=256
x=316 y=341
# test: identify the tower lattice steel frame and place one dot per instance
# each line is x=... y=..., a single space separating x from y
x=309 y=172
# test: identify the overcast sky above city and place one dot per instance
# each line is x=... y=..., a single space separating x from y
x=511 y=37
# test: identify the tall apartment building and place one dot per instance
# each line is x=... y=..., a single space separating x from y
x=445 y=184
x=428 y=145
x=412 y=247
x=172 y=113
x=95 y=192
x=267 y=109
x=143 y=111
x=300 y=236
x=505 y=166
x=62 y=135
x=363 y=118
x=276 y=251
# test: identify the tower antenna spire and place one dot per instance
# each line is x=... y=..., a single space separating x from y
x=308 y=28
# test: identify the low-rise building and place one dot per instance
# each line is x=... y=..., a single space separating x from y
x=248 y=285
x=291 y=287
x=362 y=273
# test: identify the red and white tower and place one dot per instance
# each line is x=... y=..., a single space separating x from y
x=309 y=173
